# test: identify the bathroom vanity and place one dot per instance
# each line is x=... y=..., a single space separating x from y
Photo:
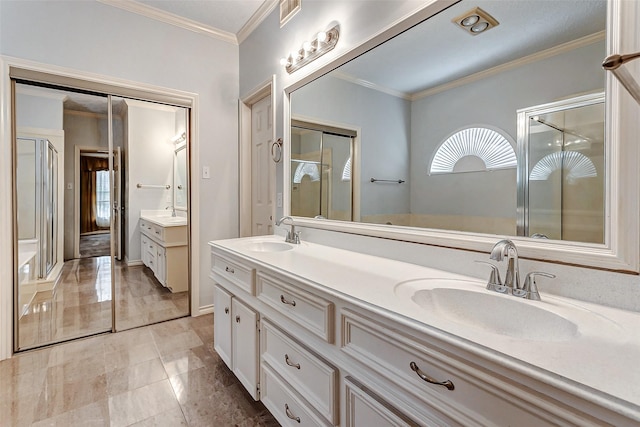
x=324 y=336
x=164 y=246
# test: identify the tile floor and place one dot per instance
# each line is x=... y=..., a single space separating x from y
x=81 y=302
x=165 y=374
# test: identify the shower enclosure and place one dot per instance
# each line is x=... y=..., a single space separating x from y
x=37 y=199
x=561 y=170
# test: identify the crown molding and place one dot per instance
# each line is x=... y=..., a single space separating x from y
x=538 y=56
x=172 y=19
x=365 y=83
x=256 y=19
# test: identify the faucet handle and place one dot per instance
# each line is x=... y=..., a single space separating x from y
x=530 y=289
x=495 y=282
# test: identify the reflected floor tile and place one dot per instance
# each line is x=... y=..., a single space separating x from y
x=181 y=341
x=59 y=396
x=126 y=357
x=135 y=376
x=18 y=412
x=92 y=415
x=169 y=418
x=142 y=403
x=190 y=360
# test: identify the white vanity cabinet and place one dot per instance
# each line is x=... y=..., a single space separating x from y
x=327 y=358
x=236 y=338
x=164 y=249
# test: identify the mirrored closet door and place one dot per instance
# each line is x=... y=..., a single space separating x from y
x=101 y=213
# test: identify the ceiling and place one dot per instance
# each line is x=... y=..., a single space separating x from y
x=437 y=51
x=225 y=15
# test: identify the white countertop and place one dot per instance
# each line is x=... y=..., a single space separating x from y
x=165 y=220
x=600 y=364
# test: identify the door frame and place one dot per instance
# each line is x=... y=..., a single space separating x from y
x=245 y=105
x=7 y=132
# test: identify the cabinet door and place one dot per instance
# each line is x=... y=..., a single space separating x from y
x=161 y=265
x=222 y=324
x=245 y=346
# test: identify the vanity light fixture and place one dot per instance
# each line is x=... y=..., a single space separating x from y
x=475 y=21
x=323 y=42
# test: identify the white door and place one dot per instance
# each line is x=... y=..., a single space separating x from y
x=263 y=171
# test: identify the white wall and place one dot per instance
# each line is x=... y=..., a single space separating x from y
x=93 y=37
x=384 y=121
x=149 y=160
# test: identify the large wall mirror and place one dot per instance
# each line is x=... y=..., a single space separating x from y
x=487 y=119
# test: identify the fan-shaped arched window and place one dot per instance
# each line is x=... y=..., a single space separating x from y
x=488 y=145
x=306 y=168
x=346 y=171
x=576 y=164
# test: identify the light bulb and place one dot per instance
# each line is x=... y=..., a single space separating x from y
x=306 y=46
x=470 y=20
x=284 y=62
x=480 y=27
x=322 y=37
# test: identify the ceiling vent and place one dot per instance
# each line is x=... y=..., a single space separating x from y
x=475 y=21
x=288 y=8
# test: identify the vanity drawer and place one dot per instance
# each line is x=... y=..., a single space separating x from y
x=306 y=309
x=285 y=405
x=157 y=232
x=311 y=376
x=240 y=275
x=465 y=392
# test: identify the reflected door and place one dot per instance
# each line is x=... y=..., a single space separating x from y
x=321 y=172
x=565 y=184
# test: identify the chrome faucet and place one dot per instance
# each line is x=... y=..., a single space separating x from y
x=511 y=285
x=173 y=210
x=292 y=236
x=512 y=277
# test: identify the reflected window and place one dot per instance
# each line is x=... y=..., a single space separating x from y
x=576 y=164
x=346 y=171
x=487 y=145
x=306 y=168
x=103 y=211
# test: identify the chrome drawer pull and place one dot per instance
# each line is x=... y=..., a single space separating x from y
x=284 y=301
x=229 y=270
x=237 y=319
x=448 y=384
x=295 y=365
x=290 y=414
x=226 y=310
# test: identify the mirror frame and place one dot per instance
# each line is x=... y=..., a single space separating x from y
x=620 y=251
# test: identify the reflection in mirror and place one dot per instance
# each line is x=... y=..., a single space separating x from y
x=63 y=290
x=412 y=94
x=561 y=189
x=180 y=176
x=84 y=225
x=321 y=168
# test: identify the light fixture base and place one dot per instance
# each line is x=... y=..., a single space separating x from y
x=318 y=49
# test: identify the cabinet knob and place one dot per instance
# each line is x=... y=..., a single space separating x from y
x=229 y=270
x=290 y=414
x=226 y=310
x=447 y=384
x=286 y=301
x=237 y=319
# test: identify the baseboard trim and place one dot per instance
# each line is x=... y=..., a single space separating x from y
x=205 y=309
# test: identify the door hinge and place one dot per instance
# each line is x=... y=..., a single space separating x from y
x=258 y=325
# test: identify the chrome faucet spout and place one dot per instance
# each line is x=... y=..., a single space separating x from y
x=292 y=236
x=506 y=248
x=173 y=210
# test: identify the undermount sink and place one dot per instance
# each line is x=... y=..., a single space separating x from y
x=469 y=304
x=268 y=246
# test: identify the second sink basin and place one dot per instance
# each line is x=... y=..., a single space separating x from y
x=268 y=246
x=468 y=303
